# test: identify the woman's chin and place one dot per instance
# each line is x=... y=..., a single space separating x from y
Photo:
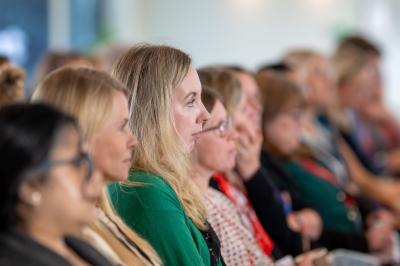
x=230 y=166
x=190 y=146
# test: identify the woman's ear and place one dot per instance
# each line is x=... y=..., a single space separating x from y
x=30 y=194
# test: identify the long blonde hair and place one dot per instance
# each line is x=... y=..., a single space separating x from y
x=87 y=94
x=151 y=73
x=82 y=92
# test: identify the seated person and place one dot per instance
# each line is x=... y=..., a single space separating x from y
x=317 y=186
x=215 y=152
x=47 y=190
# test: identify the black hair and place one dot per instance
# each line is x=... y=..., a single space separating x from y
x=360 y=43
x=28 y=133
x=280 y=67
x=236 y=68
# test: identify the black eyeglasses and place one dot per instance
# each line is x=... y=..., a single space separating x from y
x=81 y=160
x=222 y=127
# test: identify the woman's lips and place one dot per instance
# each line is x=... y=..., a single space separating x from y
x=195 y=136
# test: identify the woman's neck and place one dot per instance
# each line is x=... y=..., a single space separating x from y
x=47 y=236
x=201 y=176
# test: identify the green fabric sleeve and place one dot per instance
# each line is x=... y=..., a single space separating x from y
x=154 y=212
x=323 y=197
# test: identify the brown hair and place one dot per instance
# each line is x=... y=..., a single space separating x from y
x=56 y=59
x=237 y=69
x=209 y=97
x=278 y=93
x=12 y=80
x=358 y=42
x=225 y=82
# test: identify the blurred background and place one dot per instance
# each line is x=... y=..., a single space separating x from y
x=247 y=32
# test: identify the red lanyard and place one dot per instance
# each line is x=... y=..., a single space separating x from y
x=263 y=239
x=323 y=173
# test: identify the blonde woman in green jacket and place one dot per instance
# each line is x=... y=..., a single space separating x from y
x=161 y=202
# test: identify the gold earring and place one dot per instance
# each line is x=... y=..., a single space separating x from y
x=36 y=198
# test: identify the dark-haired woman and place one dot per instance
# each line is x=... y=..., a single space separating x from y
x=47 y=189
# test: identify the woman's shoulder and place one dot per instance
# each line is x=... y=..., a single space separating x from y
x=86 y=251
x=218 y=198
x=93 y=235
x=19 y=249
x=298 y=173
x=139 y=180
x=291 y=166
x=147 y=178
x=144 y=190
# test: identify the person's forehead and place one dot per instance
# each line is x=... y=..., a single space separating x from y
x=191 y=82
x=249 y=84
x=218 y=111
x=246 y=78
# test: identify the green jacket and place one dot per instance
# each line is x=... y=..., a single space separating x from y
x=326 y=198
x=154 y=211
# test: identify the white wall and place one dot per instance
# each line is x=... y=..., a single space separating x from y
x=125 y=20
x=251 y=32
x=243 y=31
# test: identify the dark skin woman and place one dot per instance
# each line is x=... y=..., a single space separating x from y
x=47 y=189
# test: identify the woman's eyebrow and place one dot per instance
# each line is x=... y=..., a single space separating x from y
x=125 y=121
x=190 y=94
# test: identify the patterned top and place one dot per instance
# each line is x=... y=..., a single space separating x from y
x=246 y=211
x=238 y=244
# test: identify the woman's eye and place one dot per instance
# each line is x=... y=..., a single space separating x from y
x=190 y=103
x=124 y=127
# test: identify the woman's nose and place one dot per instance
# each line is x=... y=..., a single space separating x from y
x=232 y=134
x=132 y=141
x=203 y=116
